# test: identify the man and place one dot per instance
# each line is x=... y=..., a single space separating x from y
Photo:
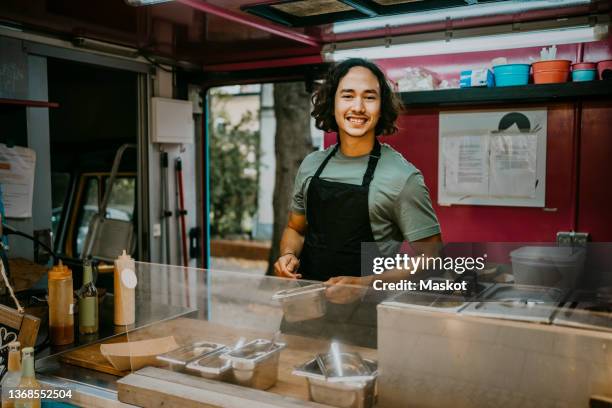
x=355 y=191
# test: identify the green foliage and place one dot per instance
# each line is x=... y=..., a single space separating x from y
x=234 y=176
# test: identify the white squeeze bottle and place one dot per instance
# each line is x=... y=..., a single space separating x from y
x=125 y=284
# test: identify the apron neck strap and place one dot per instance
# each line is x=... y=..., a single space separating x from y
x=329 y=156
x=374 y=156
x=372 y=162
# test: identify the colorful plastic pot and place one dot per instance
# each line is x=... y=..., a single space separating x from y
x=551 y=72
x=584 y=65
x=605 y=69
x=511 y=74
x=581 y=75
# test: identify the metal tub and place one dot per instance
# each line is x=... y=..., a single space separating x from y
x=350 y=366
x=303 y=303
x=179 y=358
x=348 y=392
x=212 y=366
x=255 y=364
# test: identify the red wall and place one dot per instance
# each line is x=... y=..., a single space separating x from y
x=595 y=177
x=578 y=162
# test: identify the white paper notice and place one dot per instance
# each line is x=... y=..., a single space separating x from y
x=513 y=164
x=466 y=164
x=505 y=166
x=17 y=179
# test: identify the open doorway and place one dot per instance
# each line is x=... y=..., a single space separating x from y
x=99 y=114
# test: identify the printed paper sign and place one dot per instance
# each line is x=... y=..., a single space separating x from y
x=466 y=164
x=17 y=179
x=513 y=165
x=492 y=157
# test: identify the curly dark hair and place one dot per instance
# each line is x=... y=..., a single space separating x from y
x=323 y=98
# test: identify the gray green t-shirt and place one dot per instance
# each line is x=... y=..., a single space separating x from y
x=398 y=201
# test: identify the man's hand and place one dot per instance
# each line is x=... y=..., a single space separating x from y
x=346 y=289
x=286 y=267
x=291 y=245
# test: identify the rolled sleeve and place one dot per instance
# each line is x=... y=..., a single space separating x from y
x=298 y=204
x=414 y=212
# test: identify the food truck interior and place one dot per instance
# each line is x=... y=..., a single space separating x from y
x=112 y=258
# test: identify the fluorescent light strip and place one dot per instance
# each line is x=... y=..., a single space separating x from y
x=136 y=3
x=471 y=44
x=477 y=10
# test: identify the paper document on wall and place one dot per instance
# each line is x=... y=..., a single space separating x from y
x=492 y=157
x=17 y=166
x=466 y=164
x=513 y=164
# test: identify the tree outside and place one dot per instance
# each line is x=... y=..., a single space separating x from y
x=293 y=142
x=238 y=160
x=234 y=156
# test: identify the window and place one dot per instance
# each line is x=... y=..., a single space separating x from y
x=88 y=209
x=122 y=199
x=60 y=184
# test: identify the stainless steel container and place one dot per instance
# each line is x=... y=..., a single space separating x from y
x=303 y=303
x=587 y=309
x=212 y=366
x=343 y=366
x=179 y=358
x=440 y=301
x=517 y=302
x=355 y=391
x=255 y=364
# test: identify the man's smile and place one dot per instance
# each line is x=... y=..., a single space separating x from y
x=355 y=120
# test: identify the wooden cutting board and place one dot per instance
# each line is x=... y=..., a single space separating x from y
x=90 y=357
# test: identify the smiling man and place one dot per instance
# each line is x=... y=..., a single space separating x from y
x=356 y=190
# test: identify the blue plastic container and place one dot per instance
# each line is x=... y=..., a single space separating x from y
x=580 y=75
x=511 y=74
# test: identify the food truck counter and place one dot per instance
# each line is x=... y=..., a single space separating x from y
x=518 y=344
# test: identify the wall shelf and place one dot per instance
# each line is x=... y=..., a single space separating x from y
x=28 y=103
x=510 y=94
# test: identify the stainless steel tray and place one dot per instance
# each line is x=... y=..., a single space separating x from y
x=211 y=366
x=586 y=310
x=351 y=367
x=302 y=303
x=344 y=394
x=438 y=301
x=255 y=364
x=178 y=359
x=299 y=291
x=517 y=302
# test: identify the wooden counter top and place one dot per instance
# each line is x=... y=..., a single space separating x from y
x=299 y=350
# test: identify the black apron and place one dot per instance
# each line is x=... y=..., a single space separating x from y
x=338 y=222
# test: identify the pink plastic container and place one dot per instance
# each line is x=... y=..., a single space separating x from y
x=584 y=65
x=602 y=66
